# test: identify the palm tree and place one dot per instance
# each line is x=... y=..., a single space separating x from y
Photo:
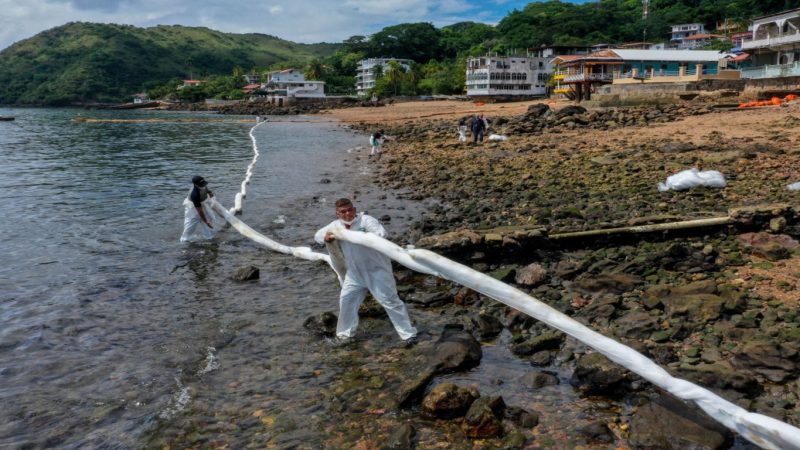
x=395 y=74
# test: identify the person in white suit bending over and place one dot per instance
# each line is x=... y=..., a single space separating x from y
x=367 y=271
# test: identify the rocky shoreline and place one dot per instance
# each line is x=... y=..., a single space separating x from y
x=715 y=306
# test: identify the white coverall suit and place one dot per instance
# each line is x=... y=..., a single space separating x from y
x=367 y=270
x=192 y=221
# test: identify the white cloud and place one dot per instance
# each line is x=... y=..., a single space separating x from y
x=300 y=20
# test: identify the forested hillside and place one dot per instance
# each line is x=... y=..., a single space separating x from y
x=616 y=21
x=83 y=62
x=87 y=62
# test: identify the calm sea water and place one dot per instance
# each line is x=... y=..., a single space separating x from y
x=109 y=327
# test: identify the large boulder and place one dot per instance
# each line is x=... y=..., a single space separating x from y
x=635 y=325
x=537 y=110
x=596 y=375
x=484 y=418
x=570 y=110
x=448 y=401
x=487 y=325
x=769 y=246
x=767 y=359
x=697 y=307
x=668 y=423
x=721 y=375
x=455 y=350
x=451 y=242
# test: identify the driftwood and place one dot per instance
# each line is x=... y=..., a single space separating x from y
x=682 y=225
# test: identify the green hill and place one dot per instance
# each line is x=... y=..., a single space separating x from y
x=89 y=62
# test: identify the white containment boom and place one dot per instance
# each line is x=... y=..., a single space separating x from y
x=757 y=428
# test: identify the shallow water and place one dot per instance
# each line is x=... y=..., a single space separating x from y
x=110 y=326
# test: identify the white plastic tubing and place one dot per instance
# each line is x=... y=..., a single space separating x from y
x=757 y=428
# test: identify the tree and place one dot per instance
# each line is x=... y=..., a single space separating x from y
x=415 y=41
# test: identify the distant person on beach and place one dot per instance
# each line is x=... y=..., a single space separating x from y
x=478 y=127
x=462 y=130
x=198 y=220
x=375 y=141
x=367 y=271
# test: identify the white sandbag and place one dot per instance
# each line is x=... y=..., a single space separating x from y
x=497 y=137
x=691 y=178
x=794 y=186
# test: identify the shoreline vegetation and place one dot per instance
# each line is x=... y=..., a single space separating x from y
x=716 y=305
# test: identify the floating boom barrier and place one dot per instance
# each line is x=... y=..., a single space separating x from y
x=759 y=429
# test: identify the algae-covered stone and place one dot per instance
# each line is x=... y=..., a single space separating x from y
x=448 y=401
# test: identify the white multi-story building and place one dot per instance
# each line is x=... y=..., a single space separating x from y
x=775 y=39
x=286 y=85
x=365 y=73
x=684 y=30
x=507 y=76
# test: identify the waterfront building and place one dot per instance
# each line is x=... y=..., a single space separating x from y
x=774 y=45
x=367 y=71
x=578 y=76
x=285 y=87
x=494 y=76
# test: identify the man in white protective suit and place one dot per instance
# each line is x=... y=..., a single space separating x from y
x=198 y=219
x=367 y=270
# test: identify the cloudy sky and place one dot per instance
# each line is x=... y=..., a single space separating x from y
x=305 y=21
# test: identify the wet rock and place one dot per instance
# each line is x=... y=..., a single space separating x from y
x=538 y=380
x=616 y=283
x=537 y=110
x=668 y=423
x=696 y=307
x=547 y=340
x=601 y=308
x=448 y=401
x=504 y=274
x=451 y=242
x=429 y=299
x=531 y=275
x=402 y=438
x=455 y=350
x=521 y=417
x=597 y=432
x=323 y=324
x=676 y=147
x=465 y=296
x=767 y=359
x=570 y=110
x=721 y=375
x=488 y=326
x=484 y=418
x=371 y=308
x=247 y=273
x=698 y=287
x=411 y=391
x=773 y=247
x=596 y=375
x=635 y=325
x=541 y=359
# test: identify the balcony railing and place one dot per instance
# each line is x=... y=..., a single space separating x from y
x=774 y=71
x=579 y=77
x=748 y=44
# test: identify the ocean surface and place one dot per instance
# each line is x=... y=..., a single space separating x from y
x=111 y=330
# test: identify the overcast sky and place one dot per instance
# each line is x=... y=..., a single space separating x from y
x=306 y=21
